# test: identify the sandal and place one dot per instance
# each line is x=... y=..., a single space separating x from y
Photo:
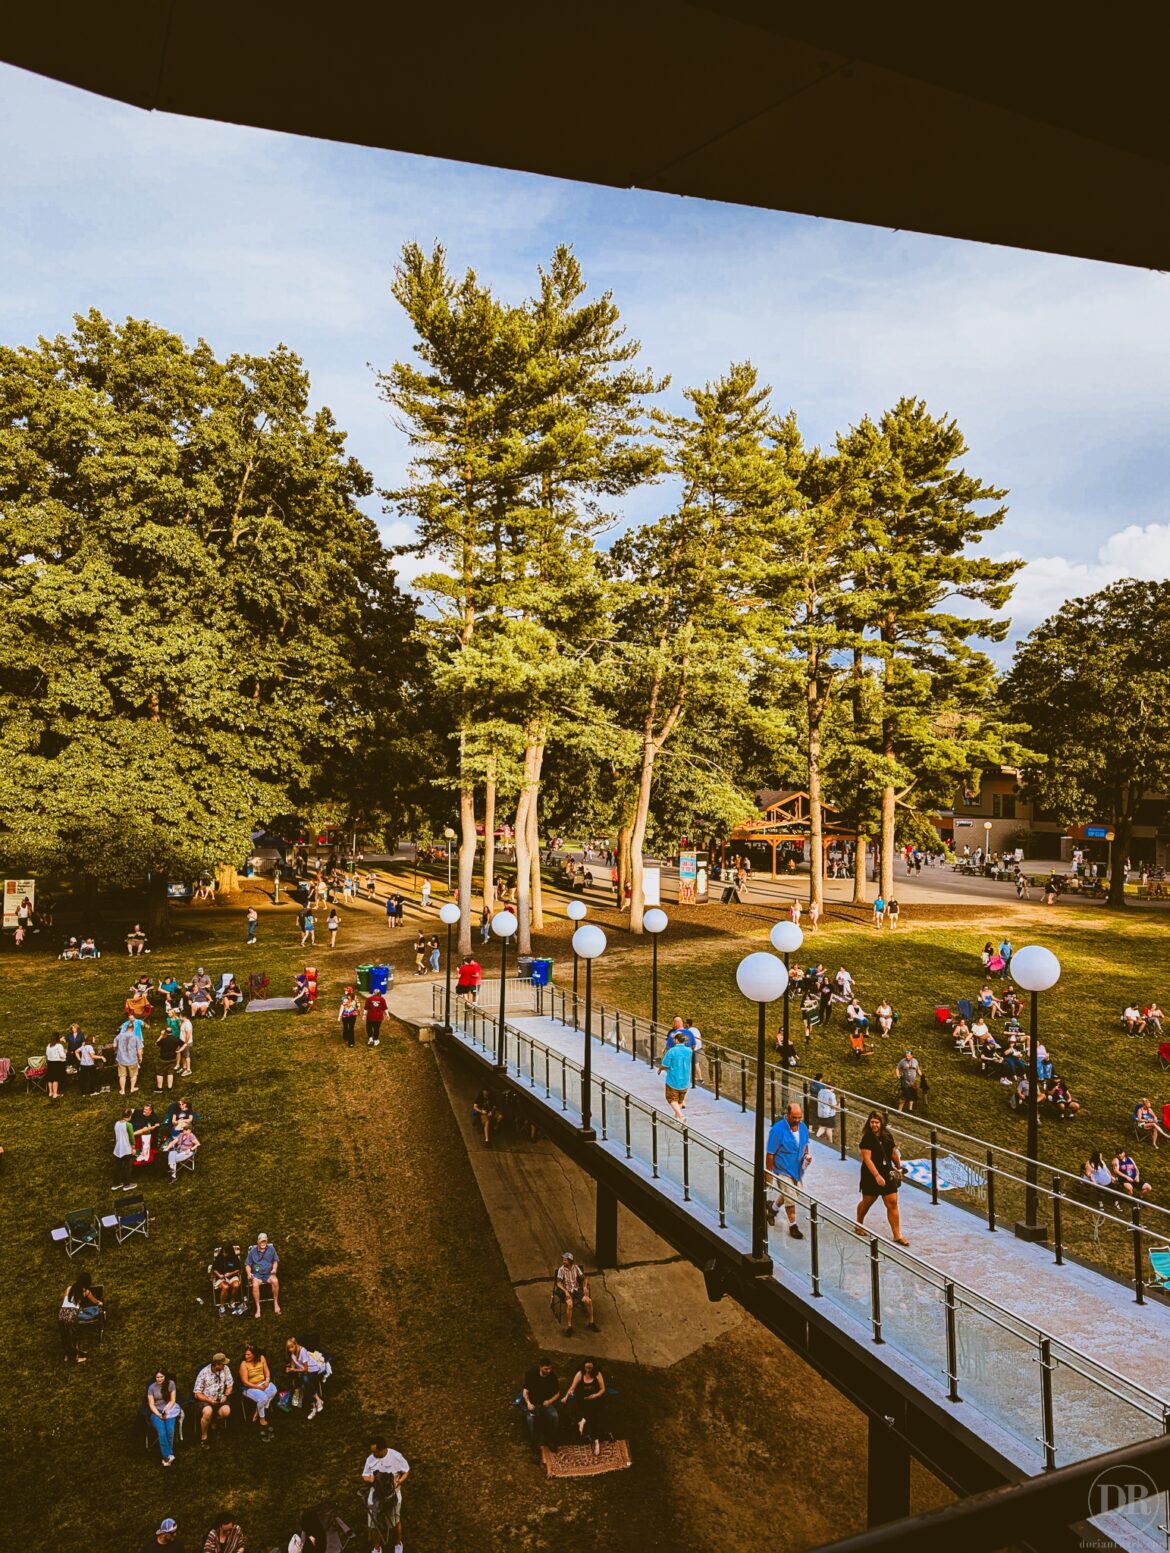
x=898 y=1241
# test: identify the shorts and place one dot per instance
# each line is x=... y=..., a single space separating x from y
x=785 y=1188
x=676 y=1096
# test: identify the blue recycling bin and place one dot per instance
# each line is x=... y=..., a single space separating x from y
x=541 y=973
x=379 y=978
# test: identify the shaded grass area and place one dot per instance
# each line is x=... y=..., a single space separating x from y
x=351 y=1161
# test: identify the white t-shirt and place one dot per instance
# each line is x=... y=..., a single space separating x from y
x=390 y=1462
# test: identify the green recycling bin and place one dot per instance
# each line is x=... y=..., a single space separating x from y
x=363 y=977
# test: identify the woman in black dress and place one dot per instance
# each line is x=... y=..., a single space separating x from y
x=590 y=1395
x=881 y=1173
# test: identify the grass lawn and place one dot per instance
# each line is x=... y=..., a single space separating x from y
x=352 y=1162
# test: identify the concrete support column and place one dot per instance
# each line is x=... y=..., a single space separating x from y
x=605 y=1240
x=888 y=1474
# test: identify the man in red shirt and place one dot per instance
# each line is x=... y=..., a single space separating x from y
x=470 y=976
x=375 y=1013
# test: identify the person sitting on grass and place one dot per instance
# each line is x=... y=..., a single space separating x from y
x=1010 y=999
x=1013 y=1056
x=180 y=1147
x=1132 y=1022
x=306 y=1369
x=135 y=940
x=855 y=1016
x=1097 y=1171
x=1145 y=1120
x=261 y=1263
x=589 y=1396
x=540 y=1394
x=199 y=993
x=573 y=1286
x=230 y=997
x=487 y=1113
x=226 y=1278
x=964 y=1040
x=1059 y=1099
x=989 y=1004
x=79 y=1304
x=88 y=949
x=996 y=965
x=988 y=1052
x=1129 y=1178
x=1153 y=1017
x=884 y=1014
x=212 y=1390
x=258 y=1386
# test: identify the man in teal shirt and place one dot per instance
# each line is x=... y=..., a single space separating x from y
x=676 y=1064
x=786 y=1157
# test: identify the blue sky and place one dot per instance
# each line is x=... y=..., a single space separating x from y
x=1058 y=370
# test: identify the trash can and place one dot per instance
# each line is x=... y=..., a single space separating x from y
x=379 y=977
x=542 y=973
x=524 y=964
x=363 y=977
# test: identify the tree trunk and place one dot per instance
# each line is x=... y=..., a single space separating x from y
x=525 y=830
x=489 y=836
x=227 y=879
x=1122 y=835
x=537 y=882
x=158 y=906
x=623 y=857
x=638 y=834
x=467 y=840
x=860 y=895
x=816 y=818
x=889 y=809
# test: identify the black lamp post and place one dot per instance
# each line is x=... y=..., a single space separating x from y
x=576 y=912
x=1036 y=969
x=504 y=924
x=450 y=914
x=655 y=922
x=787 y=938
x=761 y=978
x=589 y=943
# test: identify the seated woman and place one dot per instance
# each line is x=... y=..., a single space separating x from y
x=855 y=1016
x=964 y=1039
x=79 y=1306
x=302 y=993
x=588 y=1394
x=230 y=997
x=180 y=1146
x=809 y=1007
x=162 y=1408
x=884 y=1014
x=997 y=964
x=71 y=951
x=1145 y=1120
x=986 y=953
x=989 y=1003
x=138 y=1004
x=1153 y=1017
x=487 y=1113
x=1097 y=1171
x=1010 y=1000
x=88 y=950
x=257 y=1385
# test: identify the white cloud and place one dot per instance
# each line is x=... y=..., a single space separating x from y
x=1043 y=584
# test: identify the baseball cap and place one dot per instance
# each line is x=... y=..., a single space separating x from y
x=261 y=1236
x=219 y=1358
x=566 y=1256
x=169 y=1524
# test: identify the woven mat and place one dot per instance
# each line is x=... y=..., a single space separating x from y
x=578 y=1461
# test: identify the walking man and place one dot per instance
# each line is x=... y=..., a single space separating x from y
x=123 y=1152
x=375 y=1013
x=676 y=1063
x=787 y=1157
x=128 y=1054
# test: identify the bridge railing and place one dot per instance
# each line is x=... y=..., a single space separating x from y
x=1100 y=1227
x=1036 y=1388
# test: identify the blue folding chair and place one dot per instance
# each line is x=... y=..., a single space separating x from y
x=1160 y=1267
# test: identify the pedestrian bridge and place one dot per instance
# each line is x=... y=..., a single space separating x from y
x=990 y=1358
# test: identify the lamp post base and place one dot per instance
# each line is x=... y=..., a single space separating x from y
x=1033 y=1232
x=758 y=1266
x=587 y=1134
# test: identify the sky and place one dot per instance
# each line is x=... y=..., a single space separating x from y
x=1056 y=369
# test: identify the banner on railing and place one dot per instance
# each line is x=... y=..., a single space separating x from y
x=688 y=877
x=652 y=886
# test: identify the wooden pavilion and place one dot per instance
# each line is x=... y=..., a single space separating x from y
x=786 y=819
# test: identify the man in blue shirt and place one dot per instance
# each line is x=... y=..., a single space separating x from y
x=676 y=1064
x=787 y=1156
x=261 y=1263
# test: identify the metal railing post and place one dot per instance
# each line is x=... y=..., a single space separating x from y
x=564 y=1082
x=722 y=1190
x=843 y=1145
x=1139 y=1277
x=934 y=1166
x=547 y=1074
x=1047 y=1411
x=991 y=1191
x=716 y=1064
x=875 y=1291
x=814 y=1248
x=771 y=1095
x=653 y=1045
x=634 y=1040
x=603 y=1134
x=743 y=1083
x=686 y=1165
x=629 y=1142
x=1058 y=1219
x=952 y=1318
x=654 y=1144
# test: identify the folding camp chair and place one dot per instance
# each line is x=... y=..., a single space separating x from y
x=339 y=1535
x=36 y=1074
x=93 y=1326
x=83 y=1230
x=1164 y=1055
x=966 y=1009
x=131 y=1218
x=1160 y=1267
x=257 y=984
